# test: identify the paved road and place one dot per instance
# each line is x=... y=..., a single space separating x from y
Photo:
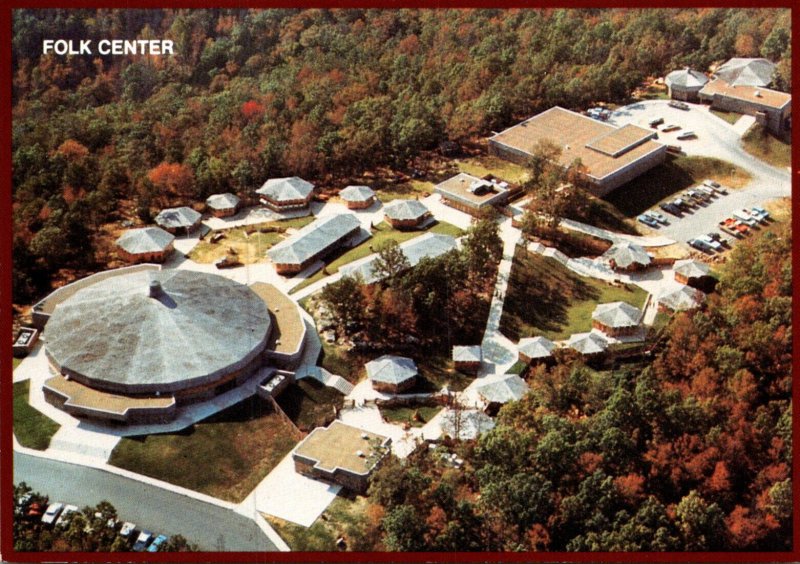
x=715 y=138
x=209 y=526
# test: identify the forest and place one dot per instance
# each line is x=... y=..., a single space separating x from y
x=689 y=452
x=323 y=94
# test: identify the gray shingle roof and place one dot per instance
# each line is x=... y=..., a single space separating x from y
x=224 y=201
x=466 y=424
x=746 y=72
x=429 y=245
x=201 y=327
x=691 y=268
x=587 y=343
x=687 y=79
x=510 y=388
x=391 y=369
x=177 y=218
x=286 y=189
x=463 y=353
x=682 y=299
x=357 y=193
x=145 y=240
x=314 y=238
x=405 y=209
x=617 y=314
x=536 y=347
x=626 y=254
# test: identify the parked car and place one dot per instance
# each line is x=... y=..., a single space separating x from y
x=157 y=542
x=729 y=226
x=228 y=261
x=657 y=216
x=670 y=127
x=679 y=105
x=745 y=217
x=706 y=190
x=691 y=195
x=647 y=220
x=142 y=541
x=686 y=135
x=762 y=211
x=681 y=204
x=674 y=149
x=63 y=519
x=656 y=122
x=35 y=511
x=716 y=245
x=715 y=186
x=700 y=245
x=127 y=529
x=53 y=510
x=669 y=207
x=761 y=215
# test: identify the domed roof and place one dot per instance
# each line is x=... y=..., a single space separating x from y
x=145 y=240
x=746 y=72
x=686 y=78
x=164 y=331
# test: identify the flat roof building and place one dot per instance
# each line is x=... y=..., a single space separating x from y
x=341 y=454
x=178 y=220
x=313 y=242
x=771 y=108
x=612 y=156
x=284 y=194
x=471 y=194
x=147 y=244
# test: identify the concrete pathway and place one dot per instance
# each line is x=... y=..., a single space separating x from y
x=743 y=124
x=289 y=495
x=252 y=216
x=644 y=241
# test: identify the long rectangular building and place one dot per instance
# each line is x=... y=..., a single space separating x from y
x=313 y=242
x=612 y=155
x=771 y=108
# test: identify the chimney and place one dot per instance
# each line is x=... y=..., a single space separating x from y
x=156 y=291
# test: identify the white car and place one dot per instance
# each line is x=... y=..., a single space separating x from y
x=657 y=216
x=52 y=512
x=127 y=529
x=705 y=190
x=63 y=519
x=745 y=217
x=716 y=245
x=757 y=215
x=686 y=135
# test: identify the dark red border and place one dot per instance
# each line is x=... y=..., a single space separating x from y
x=6 y=445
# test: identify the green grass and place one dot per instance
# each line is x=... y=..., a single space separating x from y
x=404 y=191
x=652 y=92
x=436 y=371
x=674 y=175
x=346 y=516
x=225 y=456
x=483 y=165
x=730 y=117
x=545 y=298
x=764 y=145
x=309 y=403
x=32 y=428
x=381 y=233
x=16 y=363
x=518 y=368
x=336 y=360
x=403 y=415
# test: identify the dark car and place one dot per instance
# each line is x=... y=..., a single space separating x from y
x=700 y=245
x=142 y=541
x=670 y=208
x=656 y=122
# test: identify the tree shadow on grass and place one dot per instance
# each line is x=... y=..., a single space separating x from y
x=647 y=190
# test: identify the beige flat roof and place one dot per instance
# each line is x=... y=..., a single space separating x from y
x=83 y=396
x=767 y=97
x=576 y=135
x=459 y=185
x=337 y=445
x=288 y=326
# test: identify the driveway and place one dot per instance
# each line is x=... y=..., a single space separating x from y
x=211 y=527
x=715 y=138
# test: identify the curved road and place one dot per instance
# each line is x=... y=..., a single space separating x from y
x=211 y=527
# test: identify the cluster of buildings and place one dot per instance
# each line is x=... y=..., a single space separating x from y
x=739 y=85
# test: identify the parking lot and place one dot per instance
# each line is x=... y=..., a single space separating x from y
x=715 y=138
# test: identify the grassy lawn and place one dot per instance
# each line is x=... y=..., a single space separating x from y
x=674 y=175
x=380 y=234
x=346 y=516
x=225 y=456
x=436 y=371
x=517 y=368
x=403 y=415
x=335 y=360
x=762 y=144
x=249 y=243
x=730 y=117
x=545 y=298
x=483 y=165
x=404 y=191
x=17 y=362
x=32 y=428
x=309 y=403
x=652 y=92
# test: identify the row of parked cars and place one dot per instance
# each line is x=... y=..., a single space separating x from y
x=689 y=200
x=58 y=514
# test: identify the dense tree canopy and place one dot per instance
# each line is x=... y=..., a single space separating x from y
x=251 y=94
x=692 y=452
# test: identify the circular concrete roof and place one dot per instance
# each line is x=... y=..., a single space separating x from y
x=165 y=331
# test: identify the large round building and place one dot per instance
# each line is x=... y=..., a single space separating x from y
x=131 y=347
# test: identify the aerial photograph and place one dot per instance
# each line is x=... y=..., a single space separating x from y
x=399 y=280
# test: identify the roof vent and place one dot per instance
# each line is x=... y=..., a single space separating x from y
x=156 y=291
x=757 y=93
x=364 y=436
x=360 y=453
